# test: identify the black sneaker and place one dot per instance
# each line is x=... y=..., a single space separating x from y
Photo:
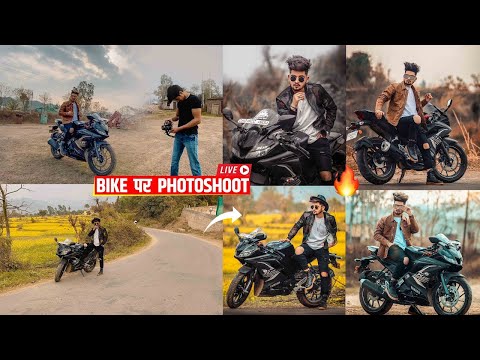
x=323 y=303
x=432 y=179
x=310 y=279
x=391 y=291
x=412 y=152
x=100 y=272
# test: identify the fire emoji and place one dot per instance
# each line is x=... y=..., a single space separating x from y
x=347 y=184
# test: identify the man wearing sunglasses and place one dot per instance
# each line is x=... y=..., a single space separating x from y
x=315 y=111
x=319 y=234
x=405 y=114
x=394 y=233
x=99 y=237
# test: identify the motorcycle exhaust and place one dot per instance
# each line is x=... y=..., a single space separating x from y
x=376 y=289
x=53 y=143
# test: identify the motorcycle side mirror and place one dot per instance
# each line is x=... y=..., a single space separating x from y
x=236 y=230
x=227 y=113
x=56 y=240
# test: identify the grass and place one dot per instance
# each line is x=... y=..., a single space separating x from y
x=34 y=249
x=277 y=227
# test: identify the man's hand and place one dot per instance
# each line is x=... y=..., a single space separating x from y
x=70 y=113
x=408 y=210
x=175 y=130
x=284 y=240
x=428 y=97
x=379 y=114
x=174 y=118
x=85 y=245
x=389 y=245
x=297 y=97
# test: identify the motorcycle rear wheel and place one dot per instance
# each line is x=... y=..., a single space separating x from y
x=460 y=293
x=368 y=168
x=237 y=293
x=98 y=167
x=459 y=160
x=371 y=303
x=311 y=298
x=60 y=269
x=91 y=263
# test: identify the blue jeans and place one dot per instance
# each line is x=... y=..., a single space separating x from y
x=191 y=143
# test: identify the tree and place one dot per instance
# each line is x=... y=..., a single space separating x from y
x=42 y=213
x=51 y=210
x=23 y=96
x=5 y=91
x=358 y=68
x=45 y=99
x=210 y=89
x=195 y=89
x=73 y=221
x=6 y=242
x=85 y=95
x=13 y=104
x=161 y=92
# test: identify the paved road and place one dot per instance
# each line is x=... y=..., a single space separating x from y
x=176 y=274
x=283 y=311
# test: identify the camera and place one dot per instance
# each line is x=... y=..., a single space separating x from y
x=167 y=125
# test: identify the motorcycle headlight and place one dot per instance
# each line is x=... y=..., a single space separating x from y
x=249 y=250
x=63 y=251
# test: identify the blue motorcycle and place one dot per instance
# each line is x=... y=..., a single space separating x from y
x=88 y=143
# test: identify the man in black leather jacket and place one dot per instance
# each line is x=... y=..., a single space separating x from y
x=315 y=111
x=319 y=234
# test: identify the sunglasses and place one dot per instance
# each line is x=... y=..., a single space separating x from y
x=411 y=77
x=316 y=207
x=301 y=78
x=96 y=223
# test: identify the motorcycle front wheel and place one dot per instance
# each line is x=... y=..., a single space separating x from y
x=106 y=164
x=60 y=269
x=311 y=298
x=239 y=289
x=457 y=167
x=56 y=153
x=375 y=166
x=456 y=302
x=372 y=303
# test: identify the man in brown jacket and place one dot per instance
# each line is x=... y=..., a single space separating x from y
x=405 y=114
x=394 y=233
x=70 y=112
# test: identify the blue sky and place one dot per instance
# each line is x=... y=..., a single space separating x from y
x=122 y=74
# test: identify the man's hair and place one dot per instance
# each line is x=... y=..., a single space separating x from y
x=298 y=63
x=400 y=196
x=75 y=91
x=411 y=67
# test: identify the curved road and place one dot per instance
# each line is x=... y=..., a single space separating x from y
x=175 y=274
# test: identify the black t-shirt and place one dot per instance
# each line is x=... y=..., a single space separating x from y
x=185 y=113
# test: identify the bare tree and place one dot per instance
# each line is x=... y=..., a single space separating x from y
x=5 y=91
x=73 y=221
x=6 y=242
x=45 y=98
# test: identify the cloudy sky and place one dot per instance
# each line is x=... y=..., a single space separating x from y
x=436 y=61
x=239 y=61
x=122 y=74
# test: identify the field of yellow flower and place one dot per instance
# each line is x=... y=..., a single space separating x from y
x=277 y=226
x=34 y=248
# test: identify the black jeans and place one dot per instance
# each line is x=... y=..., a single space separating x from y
x=407 y=128
x=100 y=250
x=396 y=254
x=322 y=258
x=321 y=154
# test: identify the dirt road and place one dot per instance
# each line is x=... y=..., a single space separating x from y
x=416 y=180
x=25 y=155
x=353 y=306
x=176 y=274
x=283 y=311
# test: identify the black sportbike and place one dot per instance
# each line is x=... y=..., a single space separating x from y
x=433 y=279
x=88 y=143
x=378 y=157
x=70 y=254
x=272 y=271
x=278 y=155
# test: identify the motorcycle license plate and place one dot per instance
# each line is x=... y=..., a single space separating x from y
x=352 y=135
